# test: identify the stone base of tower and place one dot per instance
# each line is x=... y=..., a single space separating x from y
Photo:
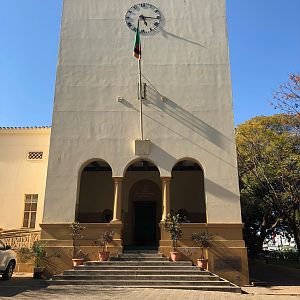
x=59 y=244
x=226 y=258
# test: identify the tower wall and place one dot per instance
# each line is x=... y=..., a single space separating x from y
x=187 y=110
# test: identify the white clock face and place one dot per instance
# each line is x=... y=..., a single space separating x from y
x=148 y=16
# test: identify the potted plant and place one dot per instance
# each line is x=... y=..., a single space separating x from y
x=76 y=230
x=203 y=240
x=106 y=238
x=172 y=224
x=36 y=254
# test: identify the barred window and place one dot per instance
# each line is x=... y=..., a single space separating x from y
x=30 y=211
x=35 y=155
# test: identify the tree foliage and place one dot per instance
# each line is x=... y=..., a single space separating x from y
x=203 y=240
x=287 y=98
x=269 y=172
x=36 y=253
x=172 y=224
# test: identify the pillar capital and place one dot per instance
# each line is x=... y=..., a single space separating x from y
x=117 y=179
x=165 y=178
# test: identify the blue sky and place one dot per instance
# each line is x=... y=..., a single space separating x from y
x=264 y=40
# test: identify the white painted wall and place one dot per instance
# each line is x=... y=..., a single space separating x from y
x=186 y=62
x=20 y=176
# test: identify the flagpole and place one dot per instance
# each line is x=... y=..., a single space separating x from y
x=140 y=94
x=141 y=101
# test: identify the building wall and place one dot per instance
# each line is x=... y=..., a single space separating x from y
x=187 y=115
x=20 y=176
x=186 y=63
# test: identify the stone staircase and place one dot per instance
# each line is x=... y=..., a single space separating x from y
x=144 y=269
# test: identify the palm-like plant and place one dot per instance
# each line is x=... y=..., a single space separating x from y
x=36 y=254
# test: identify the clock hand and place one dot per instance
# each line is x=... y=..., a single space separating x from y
x=144 y=19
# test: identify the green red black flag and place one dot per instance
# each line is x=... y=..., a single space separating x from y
x=137 y=51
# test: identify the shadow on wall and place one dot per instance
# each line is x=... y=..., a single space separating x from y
x=219 y=191
x=187 y=119
x=166 y=161
x=167 y=34
x=161 y=105
x=230 y=263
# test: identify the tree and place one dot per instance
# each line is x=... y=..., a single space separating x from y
x=287 y=98
x=269 y=172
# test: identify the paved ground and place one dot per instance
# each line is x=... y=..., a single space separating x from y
x=274 y=274
x=26 y=288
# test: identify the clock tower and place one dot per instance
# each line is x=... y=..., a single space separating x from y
x=107 y=175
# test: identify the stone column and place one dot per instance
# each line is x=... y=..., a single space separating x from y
x=165 y=196
x=117 y=199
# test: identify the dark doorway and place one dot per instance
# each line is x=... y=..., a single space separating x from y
x=145 y=223
x=142 y=217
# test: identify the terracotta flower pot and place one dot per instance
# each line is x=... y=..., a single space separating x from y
x=104 y=256
x=77 y=261
x=175 y=256
x=202 y=263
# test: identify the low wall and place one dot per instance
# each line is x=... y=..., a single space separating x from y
x=59 y=243
x=20 y=238
x=228 y=255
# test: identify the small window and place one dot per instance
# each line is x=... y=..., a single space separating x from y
x=30 y=211
x=35 y=155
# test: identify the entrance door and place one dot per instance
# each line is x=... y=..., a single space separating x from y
x=145 y=223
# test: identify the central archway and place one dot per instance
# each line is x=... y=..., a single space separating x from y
x=141 y=205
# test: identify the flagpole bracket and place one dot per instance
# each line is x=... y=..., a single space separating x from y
x=142 y=147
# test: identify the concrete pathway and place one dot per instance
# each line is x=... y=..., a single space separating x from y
x=26 y=288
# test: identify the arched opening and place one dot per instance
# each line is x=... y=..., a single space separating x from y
x=95 y=203
x=141 y=205
x=187 y=192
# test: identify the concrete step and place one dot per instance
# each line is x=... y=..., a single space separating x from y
x=140 y=268
x=137 y=263
x=153 y=283
x=139 y=258
x=138 y=272
x=134 y=255
x=135 y=267
x=232 y=289
x=140 y=251
x=116 y=278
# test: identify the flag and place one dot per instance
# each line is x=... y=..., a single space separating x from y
x=137 y=51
